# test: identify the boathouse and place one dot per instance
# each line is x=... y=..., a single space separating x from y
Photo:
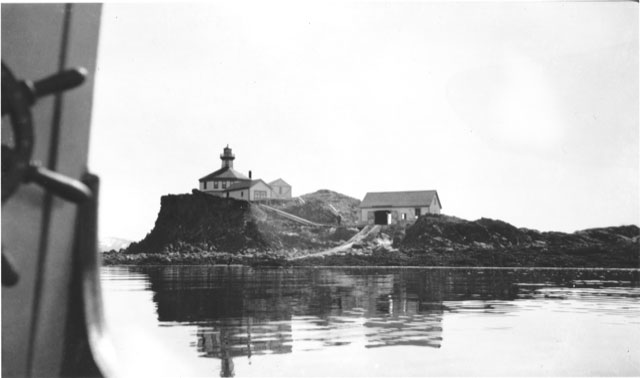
x=398 y=207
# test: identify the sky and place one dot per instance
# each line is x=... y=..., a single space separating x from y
x=521 y=111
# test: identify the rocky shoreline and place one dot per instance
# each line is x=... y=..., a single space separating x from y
x=201 y=229
x=463 y=258
x=377 y=253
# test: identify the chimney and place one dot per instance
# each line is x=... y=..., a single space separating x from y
x=249 y=174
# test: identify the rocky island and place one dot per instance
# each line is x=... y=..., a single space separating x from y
x=322 y=228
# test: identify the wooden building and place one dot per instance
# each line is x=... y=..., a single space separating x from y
x=217 y=182
x=398 y=207
x=281 y=189
x=252 y=190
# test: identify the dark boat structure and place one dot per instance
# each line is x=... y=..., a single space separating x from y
x=52 y=322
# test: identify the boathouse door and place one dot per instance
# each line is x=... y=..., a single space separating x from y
x=382 y=217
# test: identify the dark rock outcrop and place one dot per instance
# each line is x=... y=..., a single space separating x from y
x=202 y=220
x=499 y=243
x=441 y=231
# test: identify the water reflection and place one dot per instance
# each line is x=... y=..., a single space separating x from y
x=244 y=312
x=254 y=311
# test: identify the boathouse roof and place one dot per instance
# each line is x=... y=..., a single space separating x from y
x=419 y=198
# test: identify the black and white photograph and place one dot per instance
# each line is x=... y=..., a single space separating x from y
x=356 y=188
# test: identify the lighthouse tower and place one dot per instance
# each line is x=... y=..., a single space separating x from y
x=227 y=157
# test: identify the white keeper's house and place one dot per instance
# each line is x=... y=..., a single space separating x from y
x=398 y=207
x=230 y=183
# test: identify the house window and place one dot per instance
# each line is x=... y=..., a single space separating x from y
x=224 y=185
x=241 y=193
x=418 y=212
x=215 y=185
x=204 y=185
x=404 y=216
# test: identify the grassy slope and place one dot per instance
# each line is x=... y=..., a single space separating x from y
x=316 y=207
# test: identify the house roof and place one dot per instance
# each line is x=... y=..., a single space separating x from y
x=244 y=185
x=400 y=199
x=279 y=182
x=225 y=173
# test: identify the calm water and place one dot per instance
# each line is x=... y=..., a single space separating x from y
x=239 y=321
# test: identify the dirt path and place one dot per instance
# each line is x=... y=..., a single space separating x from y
x=369 y=229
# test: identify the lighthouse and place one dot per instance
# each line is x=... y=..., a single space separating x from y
x=227 y=157
x=217 y=182
x=229 y=183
